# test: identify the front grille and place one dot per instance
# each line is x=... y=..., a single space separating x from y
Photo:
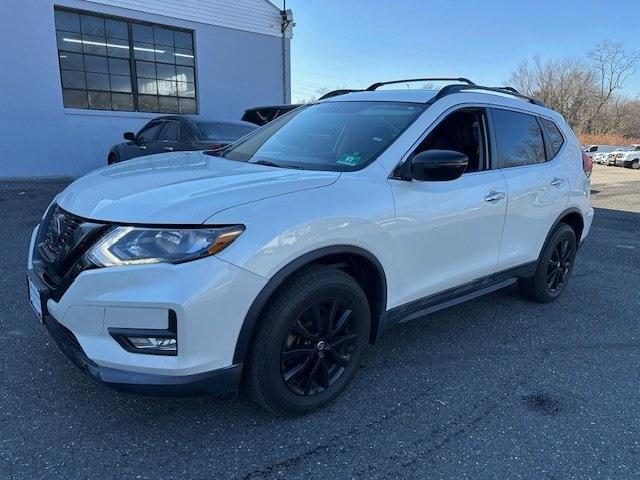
x=63 y=239
x=58 y=232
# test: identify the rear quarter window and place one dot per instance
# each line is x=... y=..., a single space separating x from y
x=554 y=135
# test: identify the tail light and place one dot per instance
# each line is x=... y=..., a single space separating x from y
x=587 y=164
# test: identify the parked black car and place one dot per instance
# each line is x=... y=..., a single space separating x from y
x=178 y=133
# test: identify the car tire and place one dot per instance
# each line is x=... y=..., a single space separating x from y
x=635 y=165
x=309 y=343
x=112 y=158
x=554 y=267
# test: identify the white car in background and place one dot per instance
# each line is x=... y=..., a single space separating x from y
x=628 y=157
x=592 y=150
x=279 y=259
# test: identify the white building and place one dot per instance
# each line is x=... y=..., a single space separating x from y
x=76 y=74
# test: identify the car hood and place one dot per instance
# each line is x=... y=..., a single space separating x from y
x=180 y=188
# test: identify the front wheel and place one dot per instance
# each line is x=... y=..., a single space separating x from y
x=554 y=267
x=310 y=342
x=636 y=164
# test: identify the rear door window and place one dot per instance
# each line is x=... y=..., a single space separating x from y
x=519 y=139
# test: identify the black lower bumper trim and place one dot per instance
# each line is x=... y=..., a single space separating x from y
x=217 y=382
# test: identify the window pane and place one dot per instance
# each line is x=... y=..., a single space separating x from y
x=70 y=42
x=171 y=130
x=163 y=36
x=147 y=103
x=94 y=45
x=118 y=48
x=186 y=89
x=147 y=86
x=117 y=29
x=187 y=106
x=144 y=51
x=167 y=88
x=71 y=61
x=92 y=25
x=120 y=83
x=122 y=101
x=165 y=54
x=72 y=79
x=119 y=67
x=142 y=33
x=519 y=139
x=184 y=57
x=185 y=74
x=97 y=81
x=168 y=105
x=183 y=40
x=74 y=99
x=95 y=64
x=166 y=72
x=67 y=21
x=148 y=132
x=146 y=69
x=555 y=137
x=100 y=100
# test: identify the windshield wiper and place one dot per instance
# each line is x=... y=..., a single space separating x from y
x=268 y=163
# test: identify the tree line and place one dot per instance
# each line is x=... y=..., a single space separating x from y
x=587 y=91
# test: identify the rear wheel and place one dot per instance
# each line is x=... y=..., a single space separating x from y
x=636 y=164
x=554 y=267
x=309 y=343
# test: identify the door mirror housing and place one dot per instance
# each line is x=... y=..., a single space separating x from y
x=130 y=136
x=437 y=165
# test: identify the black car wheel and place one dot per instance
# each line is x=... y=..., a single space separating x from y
x=554 y=267
x=636 y=164
x=112 y=158
x=309 y=343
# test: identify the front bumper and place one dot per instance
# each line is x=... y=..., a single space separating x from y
x=218 y=381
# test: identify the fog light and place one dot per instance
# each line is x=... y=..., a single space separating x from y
x=154 y=343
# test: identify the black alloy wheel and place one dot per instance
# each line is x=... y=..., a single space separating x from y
x=318 y=347
x=559 y=266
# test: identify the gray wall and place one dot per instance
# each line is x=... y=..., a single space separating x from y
x=235 y=70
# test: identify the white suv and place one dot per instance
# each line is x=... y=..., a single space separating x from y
x=279 y=259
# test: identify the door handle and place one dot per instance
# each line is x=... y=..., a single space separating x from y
x=169 y=149
x=557 y=181
x=142 y=147
x=494 y=196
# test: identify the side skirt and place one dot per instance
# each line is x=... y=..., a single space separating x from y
x=456 y=295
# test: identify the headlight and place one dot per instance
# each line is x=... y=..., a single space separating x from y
x=136 y=245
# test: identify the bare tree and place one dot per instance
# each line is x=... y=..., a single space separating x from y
x=612 y=66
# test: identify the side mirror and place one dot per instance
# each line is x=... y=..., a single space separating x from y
x=438 y=165
x=130 y=136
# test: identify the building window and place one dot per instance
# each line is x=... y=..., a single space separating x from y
x=111 y=63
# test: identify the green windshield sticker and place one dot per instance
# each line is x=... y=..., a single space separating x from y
x=352 y=159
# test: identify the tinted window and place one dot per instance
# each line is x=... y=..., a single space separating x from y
x=555 y=137
x=170 y=132
x=96 y=70
x=223 y=131
x=519 y=139
x=337 y=136
x=148 y=133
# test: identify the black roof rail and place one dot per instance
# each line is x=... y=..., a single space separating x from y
x=335 y=93
x=457 y=88
x=377 y=85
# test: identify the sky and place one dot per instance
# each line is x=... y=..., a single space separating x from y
x=353 y=43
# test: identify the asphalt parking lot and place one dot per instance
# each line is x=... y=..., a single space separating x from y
x=494 y=388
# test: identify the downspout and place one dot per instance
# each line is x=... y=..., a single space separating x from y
x=287 y=20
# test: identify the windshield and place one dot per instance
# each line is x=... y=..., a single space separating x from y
x=223 y=131
x=338 y=136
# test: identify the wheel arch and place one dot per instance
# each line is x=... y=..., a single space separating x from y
x=360 y=263
x=572 y=217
